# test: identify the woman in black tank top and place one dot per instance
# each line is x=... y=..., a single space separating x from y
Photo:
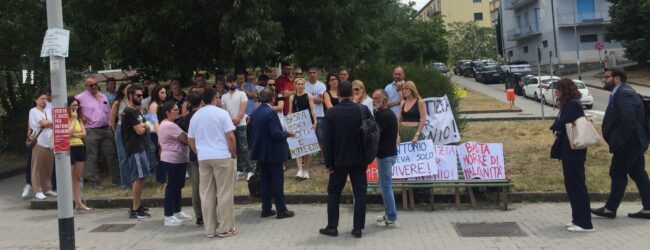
x=331 y=95
x=299 y=102
x=412 y=115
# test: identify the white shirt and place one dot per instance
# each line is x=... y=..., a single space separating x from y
x=368 y=103
x=316 y=89
x=231 y=102
x=208 y=127
x=35 y=116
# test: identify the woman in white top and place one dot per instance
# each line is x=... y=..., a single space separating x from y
x=40 y=121
x=360 y=96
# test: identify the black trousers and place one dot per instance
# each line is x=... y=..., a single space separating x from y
x=628 y=160
x=175 y=182
x=28 y=167
x=272 y=185
x=359 y=189
x=576 y=189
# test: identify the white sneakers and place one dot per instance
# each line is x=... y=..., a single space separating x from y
x=578 y=229
x=40 y=196
x=240 y=176
x=51 y=193
x=383 y=221
x=26 y=191
x=178 y=219
x=249 y=175
x=302 y=174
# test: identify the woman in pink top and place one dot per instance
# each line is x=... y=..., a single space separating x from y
x=174 y=157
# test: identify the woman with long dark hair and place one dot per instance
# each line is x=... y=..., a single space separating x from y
x=40 y=120
x=117 y=108
x=77 y=150
x=158 y=97
x=331 y=95
x=573 y=161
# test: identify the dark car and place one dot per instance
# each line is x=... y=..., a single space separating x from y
x=475 y=66
x=516 y=81
x=440 y=67
x=519 y=68
x=490 y=74
x=458 y=69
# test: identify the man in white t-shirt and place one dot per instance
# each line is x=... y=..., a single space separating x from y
x=317 y=88
x=211 y=136
x=234 y=101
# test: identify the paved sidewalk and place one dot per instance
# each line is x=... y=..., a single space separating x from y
x=419 y=229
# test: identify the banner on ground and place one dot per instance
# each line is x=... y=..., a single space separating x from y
x=446 y=160
x=305 y=141
x=482 y=160
x=421 y=161
x=441 y=126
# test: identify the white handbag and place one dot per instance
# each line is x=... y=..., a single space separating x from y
x=582 y=133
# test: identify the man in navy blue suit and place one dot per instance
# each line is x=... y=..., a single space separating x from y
x=269 y=149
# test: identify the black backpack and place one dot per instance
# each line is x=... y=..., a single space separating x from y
x=646 y=106
x=369 y=136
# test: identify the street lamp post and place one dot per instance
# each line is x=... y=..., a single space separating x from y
x=575 y=34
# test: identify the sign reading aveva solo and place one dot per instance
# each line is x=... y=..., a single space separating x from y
x=421 y=160
x=482 y=160
x=305 y=141
x=441 y=127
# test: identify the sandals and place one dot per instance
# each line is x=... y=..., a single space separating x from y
x=231 y=232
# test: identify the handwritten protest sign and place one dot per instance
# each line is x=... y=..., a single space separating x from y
x=421 y=161
x=482 y=160
x=305 y=141
x=444 y=156
x=440 y=126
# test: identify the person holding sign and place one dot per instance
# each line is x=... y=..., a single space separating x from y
x=573 y=161
x=411 y=118
x=386 y=155
x=300 y=101
x=342 y=150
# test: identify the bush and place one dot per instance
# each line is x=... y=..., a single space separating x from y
x=15 y=102
x=430 y=83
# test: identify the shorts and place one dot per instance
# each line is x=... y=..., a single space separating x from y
x=77 y=154
x=137 y=165
x=320 y=129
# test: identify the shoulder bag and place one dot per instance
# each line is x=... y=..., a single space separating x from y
x=582 y=133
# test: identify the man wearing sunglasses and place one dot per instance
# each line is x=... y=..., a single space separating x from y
x=134 y=134
x=100 y=136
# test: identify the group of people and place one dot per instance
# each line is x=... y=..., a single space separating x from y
x=624 y=129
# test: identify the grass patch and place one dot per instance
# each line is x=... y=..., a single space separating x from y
x=477 y=101
x=527 y=155
x=639 y=75
x=10 y=162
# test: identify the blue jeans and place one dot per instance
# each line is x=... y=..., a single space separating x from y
x=121 y=158
x=385 y=167
x=243 y=161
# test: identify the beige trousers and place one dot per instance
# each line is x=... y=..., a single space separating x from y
x=42 y=167
x=217 y=190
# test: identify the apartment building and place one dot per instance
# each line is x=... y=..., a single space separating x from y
x=457 y=11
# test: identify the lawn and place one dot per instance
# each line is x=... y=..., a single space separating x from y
x=477 y=101
x=526 y=146
x=638 y=74
x=10 y=162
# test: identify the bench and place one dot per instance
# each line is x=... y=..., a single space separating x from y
x=407 y=189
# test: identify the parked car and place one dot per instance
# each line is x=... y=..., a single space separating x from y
x=516 y=81
x=491 y=74
x=522 y=69
x=458 y=69
x=475 y=66
x=587 y=99
x=532 y=87
x=440 y=67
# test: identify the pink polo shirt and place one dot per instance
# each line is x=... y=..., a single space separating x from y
x=95 y=111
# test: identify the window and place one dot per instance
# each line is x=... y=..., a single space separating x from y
x=526 y=22
x=478 y=16
x=519 y=22
x=545 y=43
x=536 y=19
x=477 y=1
x=589 y=38
x=525 y=49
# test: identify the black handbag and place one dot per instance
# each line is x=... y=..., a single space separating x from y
x=254 y=183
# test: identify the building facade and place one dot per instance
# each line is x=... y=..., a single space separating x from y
x=457 y=11
x=563 y=30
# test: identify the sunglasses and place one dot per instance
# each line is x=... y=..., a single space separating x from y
x=137 y=95
x=92 y=85
x=271 y=84
x=356 y=89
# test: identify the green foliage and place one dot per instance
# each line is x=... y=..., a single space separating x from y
x=429 y=82
x=416 y=41
x=630 y=25
x=469 y=41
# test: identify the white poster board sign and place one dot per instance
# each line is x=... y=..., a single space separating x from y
x=55 y=43
x=441 y=126
x=305 y=141
x=482 y=160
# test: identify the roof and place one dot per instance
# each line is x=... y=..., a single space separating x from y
x=118 y=74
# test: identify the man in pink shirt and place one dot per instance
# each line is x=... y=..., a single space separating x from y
x=99 y=137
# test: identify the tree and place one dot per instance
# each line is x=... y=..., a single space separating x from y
x=467 y=40
x=630 y=25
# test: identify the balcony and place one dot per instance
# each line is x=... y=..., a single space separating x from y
x=516 y=4
x=521 y=33
x=568 y=19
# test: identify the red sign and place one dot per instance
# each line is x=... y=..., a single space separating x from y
x=371 y=173
x=61 y=130
x=599 y=46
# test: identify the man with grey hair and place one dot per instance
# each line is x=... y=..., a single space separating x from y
x=386 y=155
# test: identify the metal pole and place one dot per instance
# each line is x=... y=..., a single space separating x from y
x=62 y=160
x=539 y=74
x=550 y=60
x=575 y=34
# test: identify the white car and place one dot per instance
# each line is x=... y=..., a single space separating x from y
x=532 y=87
x=587 y=99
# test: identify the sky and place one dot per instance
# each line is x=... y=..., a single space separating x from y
x=418 y=3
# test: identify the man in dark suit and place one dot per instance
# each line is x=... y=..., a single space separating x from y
x=343 y=157
x=625 y=132
x=269 y=150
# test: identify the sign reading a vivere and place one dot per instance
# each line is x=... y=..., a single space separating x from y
x=415 y=160
x=305 y=141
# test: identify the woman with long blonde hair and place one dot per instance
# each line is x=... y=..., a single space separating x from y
x=359 y=95
x=412 y=115
x=300 y=101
